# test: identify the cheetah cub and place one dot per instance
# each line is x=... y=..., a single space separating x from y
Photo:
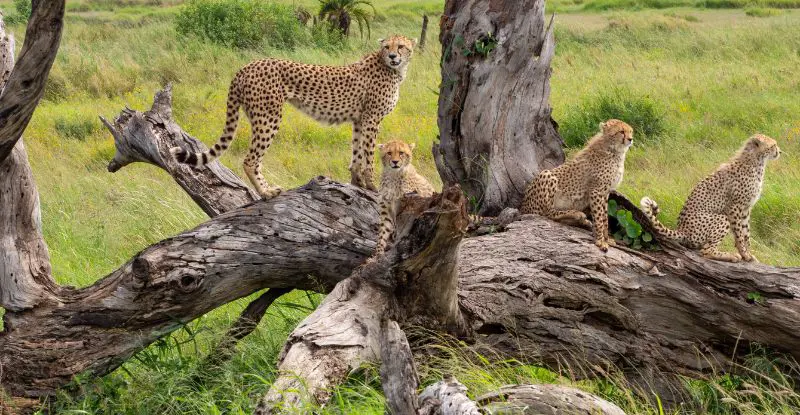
x=565 y=192
x=399 y=177
x=362 y=93
x=720 y=202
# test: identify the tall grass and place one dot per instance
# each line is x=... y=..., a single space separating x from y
x=705 y=79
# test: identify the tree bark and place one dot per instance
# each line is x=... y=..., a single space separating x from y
x=25 y=85
x=495 y=127
x=25 y=278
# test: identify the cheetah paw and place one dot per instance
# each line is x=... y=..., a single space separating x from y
x=271 y=192
x=603 y=245
x=748 y=257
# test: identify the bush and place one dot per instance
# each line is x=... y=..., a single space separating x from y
x=762 y=12
x=75 y=127
x=248 y=24
x=582 y=121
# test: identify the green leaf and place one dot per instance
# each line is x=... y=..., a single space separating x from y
x=637 y=244
x=633 y=229
x=619 y=235
x=647 y=237
x=612 y=207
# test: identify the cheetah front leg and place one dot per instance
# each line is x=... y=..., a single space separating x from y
x=598 y=203
x=740 y=225
x=362 y=169
x=386 y=226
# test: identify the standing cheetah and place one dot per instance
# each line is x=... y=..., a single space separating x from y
x=720 y=202
x=398 y=178
x=362 y=93
x=565 y=192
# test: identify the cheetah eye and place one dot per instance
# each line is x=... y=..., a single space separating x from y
x=386 y=47
x=401 y=47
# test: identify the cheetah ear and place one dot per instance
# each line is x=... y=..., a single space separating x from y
x=414 y=42
x=380 y=147
x=412 y=146
x=380 y=41
x=602 y=126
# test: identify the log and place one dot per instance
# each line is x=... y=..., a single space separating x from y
x=538 y=291
x=545 y=400
x=495 y=125
x=344 y=332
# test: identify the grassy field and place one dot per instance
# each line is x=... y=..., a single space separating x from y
x=698 y=80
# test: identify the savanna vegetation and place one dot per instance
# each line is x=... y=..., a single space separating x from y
x=694 y=78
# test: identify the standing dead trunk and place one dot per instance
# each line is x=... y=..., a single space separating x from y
x=494 y=111
x=424 y=34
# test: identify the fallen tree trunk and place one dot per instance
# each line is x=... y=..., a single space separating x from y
x=539 y=291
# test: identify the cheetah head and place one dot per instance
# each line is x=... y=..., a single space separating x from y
x=618 y=135
x=395 y=155
x=762 y=146
x=396 y=51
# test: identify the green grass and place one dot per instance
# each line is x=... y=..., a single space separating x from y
x=695 y=83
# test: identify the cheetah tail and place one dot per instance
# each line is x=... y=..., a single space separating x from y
x=650 y=209
x=201 y=159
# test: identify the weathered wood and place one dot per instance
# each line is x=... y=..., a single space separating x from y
x=344 y=332
x=398 y=374
x=541 y=292
x=25 y=278
x=494 y=113
x=545 y=400
x=25 y=85
x=306 y=239
x=147 y=137
x=451 y=396
x=424 y=33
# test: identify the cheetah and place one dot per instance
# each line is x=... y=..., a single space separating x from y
x=565 y=192
x=398 y=178
x=362 y=93
x=720 y=202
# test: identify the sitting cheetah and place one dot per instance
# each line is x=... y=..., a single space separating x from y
x=398 y=178
x=720 y=202
x=362 y=93
x=565 y=192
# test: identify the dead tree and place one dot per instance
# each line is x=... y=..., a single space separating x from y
x=538 y=291
x=424 y=33
x=495 y=127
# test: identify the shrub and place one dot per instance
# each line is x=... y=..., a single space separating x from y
x=762 y=12
x=247 y=24
x=641 y=112
x=75 y=127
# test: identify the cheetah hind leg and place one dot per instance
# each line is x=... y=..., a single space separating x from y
x=711 y=252
x=572 y=218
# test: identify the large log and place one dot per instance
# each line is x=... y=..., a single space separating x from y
x=494 y=100
x=540 y=291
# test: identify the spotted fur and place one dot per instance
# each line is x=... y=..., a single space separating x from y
x=721 y=202
x=567 y=191
x=362 y=93
x=399 y=178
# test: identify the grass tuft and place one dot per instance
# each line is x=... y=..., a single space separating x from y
x=581 y=121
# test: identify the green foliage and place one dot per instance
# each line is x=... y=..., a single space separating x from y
x=755 y=297
x=340 y=14
x=628 y=230
x=482 y=46
x=642 y=112
x=248 y=24
x=75 y=127
x=20 y=13
x=763 y=11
